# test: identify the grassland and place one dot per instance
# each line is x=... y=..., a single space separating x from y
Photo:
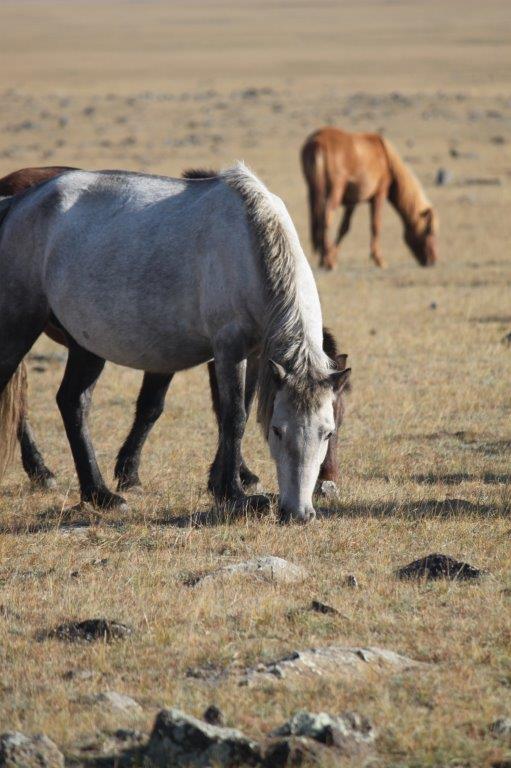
x=425 y=451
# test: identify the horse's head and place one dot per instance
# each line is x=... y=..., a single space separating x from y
x=301 y=424
x=420 y=237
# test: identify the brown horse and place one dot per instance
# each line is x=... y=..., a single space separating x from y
x=346 y=169
x=152 y=394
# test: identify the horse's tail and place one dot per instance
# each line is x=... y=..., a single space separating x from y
x=13 y=397
x=314 y=170
x=12 y=409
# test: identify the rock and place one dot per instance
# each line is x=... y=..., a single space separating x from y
x=433 y=305
x=320 y=607
x=117 y=703
x=443 y=177
x=350 y=580
x=327 y=489
x=122 y=748
x=213 y=715
x=438 y=566
x=483 y=182
x=334 y=662
x=90 y=630
x=506 y=340
x=78 y=674
x=20 y=751
x=351 y=734
x=501 y=728
x=178 y=740
x=297 y=751
x=269 y=568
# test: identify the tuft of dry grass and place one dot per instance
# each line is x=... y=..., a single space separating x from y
x=426 y=444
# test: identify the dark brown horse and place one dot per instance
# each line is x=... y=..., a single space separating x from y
x=350 y=168
x=154 y=387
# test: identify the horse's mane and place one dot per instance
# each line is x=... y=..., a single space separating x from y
x=286 y=339
x=406 y=193
x=199 y=173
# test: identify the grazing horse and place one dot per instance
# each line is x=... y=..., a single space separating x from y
x=161 y=275
x=345 y=169
x=154 y=386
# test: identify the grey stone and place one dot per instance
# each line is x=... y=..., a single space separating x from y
x=350 y=733
x=443 y=177
x=269 y=568
x=333 y=662
x=298 y=751
x=90 y=630
x=501 y=728
x=20 y=751
x=327 y=489
x=437 y=566
x=320 y=607
x=179 y=740
x=350 y=580
x=213 y=715
x=117 y=703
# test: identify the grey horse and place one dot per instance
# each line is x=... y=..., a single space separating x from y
x=161 y=275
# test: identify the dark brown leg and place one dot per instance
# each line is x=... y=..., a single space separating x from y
x=345 y=224
x=150 y=403
x=33 y=462
x=334 y=200
x=247 y=477
x=376 y=208
x=74 y=398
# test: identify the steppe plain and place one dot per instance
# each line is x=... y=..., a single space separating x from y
x=425 y=449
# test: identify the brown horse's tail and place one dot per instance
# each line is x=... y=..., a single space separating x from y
x=314 y=170
x=12 y=408
x=13 y=397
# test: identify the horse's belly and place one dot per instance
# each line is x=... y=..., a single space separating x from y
x=160 y=343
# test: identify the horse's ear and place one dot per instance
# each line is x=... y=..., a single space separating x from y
x=340 y=362
x=338 y=379
x=278 y=372
x=427 y=217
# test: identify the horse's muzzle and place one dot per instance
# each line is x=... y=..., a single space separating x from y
x=302 y=516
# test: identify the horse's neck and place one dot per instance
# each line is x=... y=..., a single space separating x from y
x=405 y=192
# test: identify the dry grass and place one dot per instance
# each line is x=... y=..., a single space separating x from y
x=425 y=450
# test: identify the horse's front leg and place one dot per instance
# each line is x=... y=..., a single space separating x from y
x=247 y=477
x=74 y=398
x=150 y=403
x=224 y=476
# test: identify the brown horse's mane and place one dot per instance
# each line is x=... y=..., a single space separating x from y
x=406 y=193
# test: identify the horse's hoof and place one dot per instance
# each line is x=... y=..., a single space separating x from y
x=258 y=502
x=326 y=489
x=104 y=500
x=44 y=482
x=249 y=480
x=129 y=484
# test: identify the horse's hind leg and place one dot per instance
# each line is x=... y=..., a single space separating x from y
x=32 y=461
x=150 y=402
x=18 y=333
x=376 y=210
x=74 y=398
x=344 y=227
x=247 y=477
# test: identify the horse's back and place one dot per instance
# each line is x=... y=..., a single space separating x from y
x=357 y=159
x=125 y=259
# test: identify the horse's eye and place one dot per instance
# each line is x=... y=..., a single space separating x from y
x=277 y=432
